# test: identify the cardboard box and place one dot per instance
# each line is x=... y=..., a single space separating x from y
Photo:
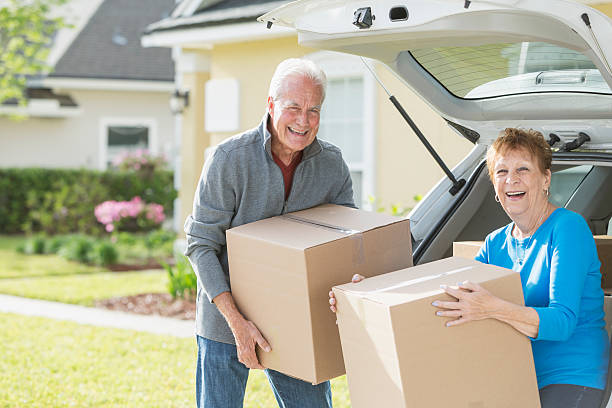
x=398 y=353
x=282 y=269
x=469 y=249
x=604 y=250
x=466 y=249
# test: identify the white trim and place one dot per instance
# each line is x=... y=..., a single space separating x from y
x=206 y=37
x=105 y=122
x=338 y=65
x=105 y=84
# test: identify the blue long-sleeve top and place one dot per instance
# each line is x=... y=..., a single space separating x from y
x=560 y=274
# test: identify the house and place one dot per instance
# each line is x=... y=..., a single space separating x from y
x=224 y=58
x=106 y=94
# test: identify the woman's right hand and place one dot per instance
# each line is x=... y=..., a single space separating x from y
x=332 y=298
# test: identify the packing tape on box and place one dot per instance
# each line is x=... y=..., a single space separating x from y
x=415 y=281
x=355 y=235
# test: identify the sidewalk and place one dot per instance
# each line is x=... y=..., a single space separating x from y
x=96 y=317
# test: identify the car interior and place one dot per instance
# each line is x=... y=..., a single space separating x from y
x=578 y=185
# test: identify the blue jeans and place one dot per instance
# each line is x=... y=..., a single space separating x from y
x=221 y=381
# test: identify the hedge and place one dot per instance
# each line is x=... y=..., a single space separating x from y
x=63 y=200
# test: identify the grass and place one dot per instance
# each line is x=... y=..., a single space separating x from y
x=16 y=265
x=50 y=363
x=85 y=289
x=51 y=277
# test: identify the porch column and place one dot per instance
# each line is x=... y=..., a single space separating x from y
x=192 y=72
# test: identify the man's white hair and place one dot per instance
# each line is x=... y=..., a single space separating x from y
x=296 y=66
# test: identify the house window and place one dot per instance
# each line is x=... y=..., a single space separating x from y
x=119 y=136
x=125 y=139
x=342 y=125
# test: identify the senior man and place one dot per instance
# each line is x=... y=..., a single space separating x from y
x=278 y=167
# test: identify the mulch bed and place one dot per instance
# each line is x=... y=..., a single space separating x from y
x=161 y=304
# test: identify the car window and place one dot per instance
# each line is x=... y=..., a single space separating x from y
x=563 y=183
x=510 y=68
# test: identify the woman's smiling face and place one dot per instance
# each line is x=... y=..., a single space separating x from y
x=520 y=184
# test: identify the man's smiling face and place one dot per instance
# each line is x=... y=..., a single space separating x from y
x=294 y=116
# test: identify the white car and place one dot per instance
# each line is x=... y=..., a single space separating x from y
x=485 y=66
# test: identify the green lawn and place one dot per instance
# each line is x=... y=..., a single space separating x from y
x=51 y=277
x=50 y=363
x=85 y=289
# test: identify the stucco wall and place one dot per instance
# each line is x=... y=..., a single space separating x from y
x=75 y=141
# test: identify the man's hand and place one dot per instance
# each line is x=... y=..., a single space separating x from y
x=247 y=337
x=246 y=334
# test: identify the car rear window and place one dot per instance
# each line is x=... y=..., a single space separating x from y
x=511 y=68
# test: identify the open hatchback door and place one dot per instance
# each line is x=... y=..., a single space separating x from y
x=484 y=66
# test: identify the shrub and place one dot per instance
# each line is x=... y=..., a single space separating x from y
x=35 y=245
x=63 y=200
x=182 y=282
x=140 y=161
x=105 y=253
x=77 y=249
x=130 y=215
x=159 y=238
x=54 y=244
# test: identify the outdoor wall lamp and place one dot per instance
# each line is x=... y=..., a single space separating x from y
x=179 y=101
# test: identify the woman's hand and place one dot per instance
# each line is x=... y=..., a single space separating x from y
x=332 y=298
x=473 y=303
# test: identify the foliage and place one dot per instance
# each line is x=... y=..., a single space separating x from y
x=78 y=249
x=60 y=201
x=133 y=215
x=26 y=30
x=159 y=238
x=398 y=210
x=105 y=253
x=140 y=161
x=182 y=282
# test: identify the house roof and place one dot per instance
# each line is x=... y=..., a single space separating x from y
x=109 y=46
x=218 y=13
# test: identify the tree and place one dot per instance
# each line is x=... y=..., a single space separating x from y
x=27 y=28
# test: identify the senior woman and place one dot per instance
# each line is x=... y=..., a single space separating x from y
x=554 y=251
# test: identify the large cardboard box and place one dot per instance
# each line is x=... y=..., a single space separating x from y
x=282 y=269
x=399 y=354
x=469 y=249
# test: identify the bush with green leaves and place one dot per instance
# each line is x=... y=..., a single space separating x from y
x=182 y=281
x=79 y=249
x=34 y=245
x=60 y=201
x=105 y=253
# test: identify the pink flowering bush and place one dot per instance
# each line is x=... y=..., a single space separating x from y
x=130 y=215
x=140 y=160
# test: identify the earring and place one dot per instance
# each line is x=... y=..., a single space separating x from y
x=547 y=192
x=496 y=198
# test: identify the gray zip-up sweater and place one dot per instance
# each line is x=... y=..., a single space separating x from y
x=241 y=183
